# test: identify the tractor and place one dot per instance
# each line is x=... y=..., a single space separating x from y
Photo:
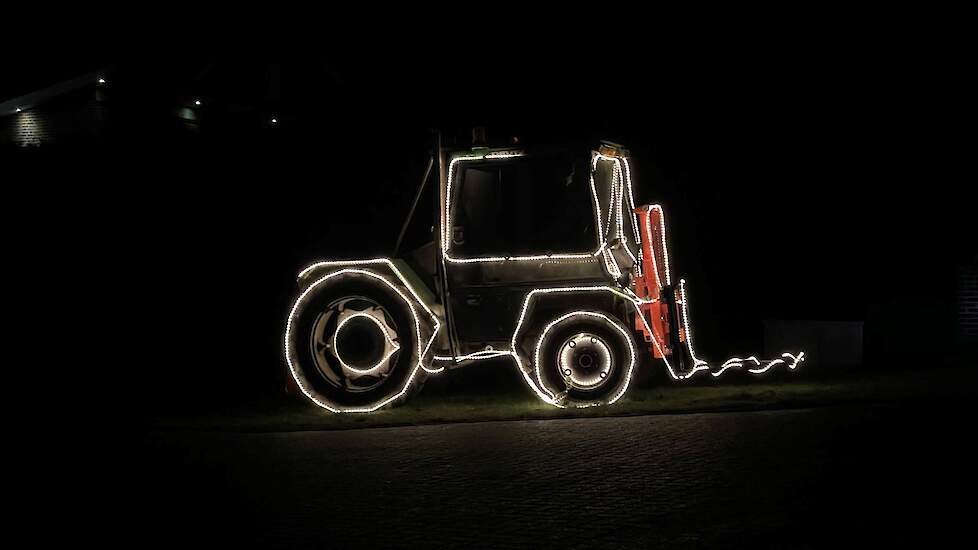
x=538 y=255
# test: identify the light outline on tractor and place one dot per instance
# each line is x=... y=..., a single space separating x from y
x=417 y=328
x=620 y=190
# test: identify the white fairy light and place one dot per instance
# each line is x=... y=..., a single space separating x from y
x=685 y=314
x=734 y=362
x=417 y=325
x=565 y=361
x=655 y=264
x=698 y=364
x=390 y=341
x=631 y=200
x=729 y=363
x=597 y=204
x=542 y=390
x=662 y=234
x=615 y=214
x=593 y=314
x=613 y=206
x=446 y=228
x=791 y=366
x=477 y=356
x=620 y=192
x=446 y=216
x=504 y=154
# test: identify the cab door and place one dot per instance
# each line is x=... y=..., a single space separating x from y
x=514 y=222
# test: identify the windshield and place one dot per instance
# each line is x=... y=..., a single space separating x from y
x=522 y=206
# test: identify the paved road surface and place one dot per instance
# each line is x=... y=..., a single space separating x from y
x=781 y=479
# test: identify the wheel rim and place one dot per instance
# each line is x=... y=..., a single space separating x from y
x=585 y=361
x=354 y=343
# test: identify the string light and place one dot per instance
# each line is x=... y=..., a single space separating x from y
x=595 y=315
x=631 y=200
x=541 y=390
x=792 y=365
x=477 y=356
x=577 y=257
x=504 y=154
x=391 y=346
x=662 y=237
x=734 y=362
x=698 y=364
x=605 y=228
x=417 y=326
x=655 y=265
x=621 y=190
x=376 y=261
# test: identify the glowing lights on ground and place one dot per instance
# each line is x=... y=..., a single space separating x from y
x=783 y=361
x=733 y=362
x=760 y=367
x=699 y=365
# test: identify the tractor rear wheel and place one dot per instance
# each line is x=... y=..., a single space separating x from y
x=351 y=344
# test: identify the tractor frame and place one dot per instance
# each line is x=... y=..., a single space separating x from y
x=574 y=323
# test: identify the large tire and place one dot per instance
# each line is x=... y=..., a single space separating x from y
x=351 y=343
x=585 y=359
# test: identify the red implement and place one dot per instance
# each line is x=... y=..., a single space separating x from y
x=655 y=282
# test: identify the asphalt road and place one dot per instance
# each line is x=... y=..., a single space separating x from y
x=824 y=477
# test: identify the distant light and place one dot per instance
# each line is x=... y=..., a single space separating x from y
x=17 y=109
x=197 y=102
x=101 y=80
x=274 y=120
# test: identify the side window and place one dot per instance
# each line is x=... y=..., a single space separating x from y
x=524 y=206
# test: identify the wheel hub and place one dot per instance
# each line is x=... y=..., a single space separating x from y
x=364 y=342
x=585 y=361
x=354 y=343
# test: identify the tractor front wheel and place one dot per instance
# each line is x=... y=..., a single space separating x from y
x=585 y=358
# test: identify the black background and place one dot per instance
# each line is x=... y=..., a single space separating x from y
x=809 y=176
x=812 y=166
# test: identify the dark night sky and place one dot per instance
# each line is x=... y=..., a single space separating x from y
x=811 y=181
